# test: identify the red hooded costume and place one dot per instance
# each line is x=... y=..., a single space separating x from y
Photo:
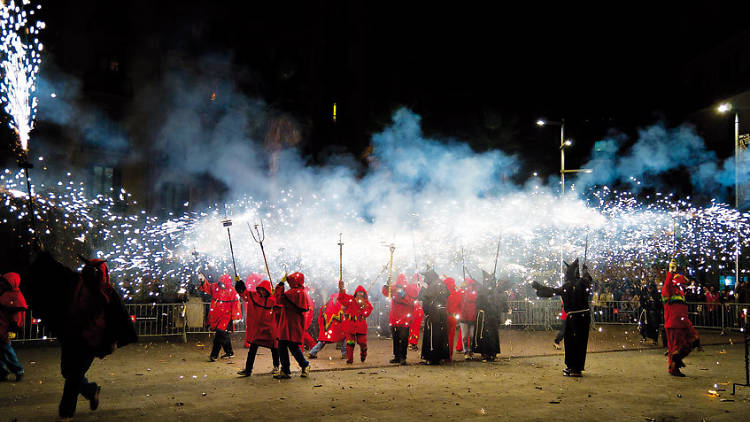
x=355 y=313
x=307 y=340
x=225 y=305
x=329 y=321
x=402 y=302
x=355 y=322
x=251 y=282
x=417 y=313
x=453 y=307
x=12 y=307
x=681 y=335
x=468 y=312
x=293 y=303
x=261 y=321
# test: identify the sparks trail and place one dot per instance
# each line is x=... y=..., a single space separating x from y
x=152 y=256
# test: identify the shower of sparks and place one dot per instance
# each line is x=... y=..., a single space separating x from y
x=151 y=256
x=20 y=48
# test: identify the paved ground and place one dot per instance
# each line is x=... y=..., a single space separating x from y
x=173 y=381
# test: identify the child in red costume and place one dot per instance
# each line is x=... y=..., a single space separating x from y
x=12 y=315
x=356 y=310
x=225 y=308
x=468 y=315
x=453 y=306
x=681 y=336
x=330 y=319
x=293 y=303
x=308 y=341
x=417 y=314
x=261 y=323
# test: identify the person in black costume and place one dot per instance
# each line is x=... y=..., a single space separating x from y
x=435 y=337
x=575 y=296
x=491 y=305
x=650 y=317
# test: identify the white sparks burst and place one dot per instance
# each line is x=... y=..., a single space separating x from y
x=20 y=66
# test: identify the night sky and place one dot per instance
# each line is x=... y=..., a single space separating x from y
x=474 y=72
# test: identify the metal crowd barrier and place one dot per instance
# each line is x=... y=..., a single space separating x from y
x=181 y=319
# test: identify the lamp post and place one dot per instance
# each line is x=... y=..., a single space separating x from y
x=725 y=108
x=563 y=144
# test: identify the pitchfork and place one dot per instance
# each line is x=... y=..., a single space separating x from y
x=259 y=236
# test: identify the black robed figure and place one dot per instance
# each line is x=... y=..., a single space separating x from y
x=575 y=296
x=435 y=336
x=491 y=304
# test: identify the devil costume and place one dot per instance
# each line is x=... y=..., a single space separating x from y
x=435 y=337
x=575 y=296
x=681 y=335
x=490 y=307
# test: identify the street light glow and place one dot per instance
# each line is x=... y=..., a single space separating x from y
x=724 y=107
x=568 y=142
x=540 y=122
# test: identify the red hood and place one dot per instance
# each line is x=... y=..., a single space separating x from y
x=14 y=280
x=296 y=280
x=360 y=289
x=253 y=280
x=401 y=280
x=265 y=285
x=416 y=278
x=226 y=280
x=450 y=284
x=470 y=283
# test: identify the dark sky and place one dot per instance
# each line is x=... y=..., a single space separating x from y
x=599 y=65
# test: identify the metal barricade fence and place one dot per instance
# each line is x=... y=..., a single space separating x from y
x=180 y=319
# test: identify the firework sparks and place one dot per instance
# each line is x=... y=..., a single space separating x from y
x=21 y=48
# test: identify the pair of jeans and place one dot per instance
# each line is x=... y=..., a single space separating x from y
x=467 y=331
x=321 y=344
x=254 y=351
x=9 y=361
x=75 y=360
x=285 y=347
x=221 y=340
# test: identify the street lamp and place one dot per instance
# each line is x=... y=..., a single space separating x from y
x=725 y=108
x=563 y=144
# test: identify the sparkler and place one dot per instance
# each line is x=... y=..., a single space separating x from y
x=20 y=65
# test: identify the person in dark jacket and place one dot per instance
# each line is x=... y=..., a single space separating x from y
x=491 y=304
x=88 y=317
x=650 y=316
x=575 y=296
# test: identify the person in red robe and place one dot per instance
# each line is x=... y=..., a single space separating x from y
x=356 y=310
x=251 y=282
x=468 y=315
x=224 y=310
x=293 y=303
x=453 y=306
x=417 y=315
x=330 y=320
x=261 y=323
x=402 y=299
x=12 y=316
x=681 y=335
x=308 y=342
